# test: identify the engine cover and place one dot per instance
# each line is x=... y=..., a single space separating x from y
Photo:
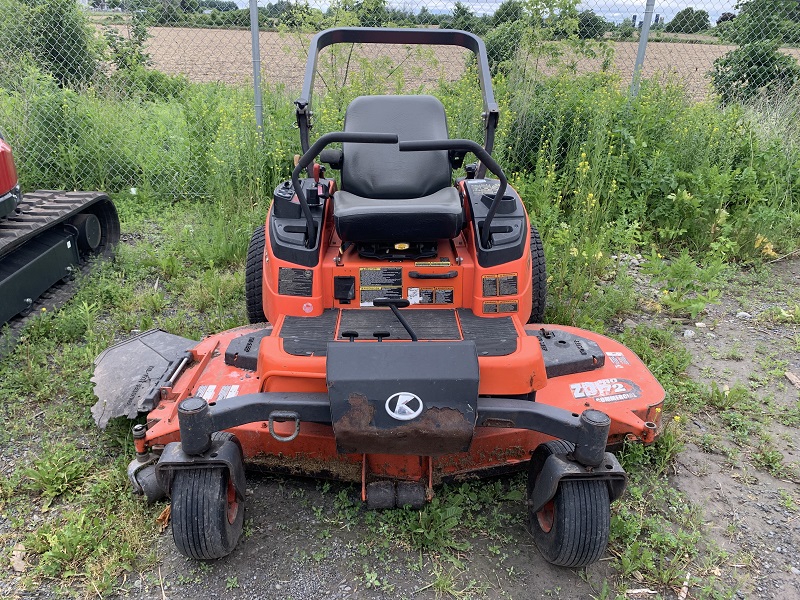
x=417 y=398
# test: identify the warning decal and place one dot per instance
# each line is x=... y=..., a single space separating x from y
x=500 y=285
x=430 y=295
x=375 y=282
x=489 y=285
x=443 y=296
x=606 y=390
x=441 y=262
x=507 y=307
x=618 y=358
x=507 y=284
x=490 y=307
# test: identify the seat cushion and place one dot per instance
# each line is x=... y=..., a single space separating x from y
x=433 y=217
x=381 y=170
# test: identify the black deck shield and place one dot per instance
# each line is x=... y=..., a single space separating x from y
x=127 y=375
x=417 y=398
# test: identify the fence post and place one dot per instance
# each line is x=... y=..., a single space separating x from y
x=256 y=49
x=637 y=68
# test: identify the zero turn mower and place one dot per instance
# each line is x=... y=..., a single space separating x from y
x=396 y=341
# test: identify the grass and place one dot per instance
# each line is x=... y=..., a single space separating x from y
x=694 y=187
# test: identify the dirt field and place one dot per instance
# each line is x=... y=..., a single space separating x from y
x=224 y=55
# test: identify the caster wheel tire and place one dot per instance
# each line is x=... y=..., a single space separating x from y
x=410 y=493
x=572 y=529
x=254 y=276
x=539 y=278
x=207 y=519
x=148 y=482
x=381 y=495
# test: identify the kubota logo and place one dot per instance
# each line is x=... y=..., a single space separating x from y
x=403 y=406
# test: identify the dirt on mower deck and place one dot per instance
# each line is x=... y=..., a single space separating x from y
x=302 y=542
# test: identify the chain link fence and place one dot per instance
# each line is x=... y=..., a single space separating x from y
x=158 y=95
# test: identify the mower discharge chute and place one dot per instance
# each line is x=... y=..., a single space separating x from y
x=395 y=341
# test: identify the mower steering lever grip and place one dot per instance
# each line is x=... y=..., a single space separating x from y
x=309 y=156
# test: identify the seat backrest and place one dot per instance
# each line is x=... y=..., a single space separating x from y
x=382 y=171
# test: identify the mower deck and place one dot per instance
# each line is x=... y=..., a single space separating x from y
x=587 y=371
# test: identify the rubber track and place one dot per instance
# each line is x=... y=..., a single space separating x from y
x=41 y=210
x=37 y=212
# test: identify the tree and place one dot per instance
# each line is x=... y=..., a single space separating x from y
x=689 y=20
x=63 y=42
x=591 y=26
x=725 y=17
x=507 y=12
x=760 y=20
x=753 y=69
x=464 y=18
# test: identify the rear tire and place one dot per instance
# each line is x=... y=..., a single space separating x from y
x=539 y=278
x=254 y=277
x=572 y=529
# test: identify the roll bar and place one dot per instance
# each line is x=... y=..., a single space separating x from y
x=381 y=35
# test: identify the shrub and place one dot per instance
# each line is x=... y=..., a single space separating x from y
x=741 y=74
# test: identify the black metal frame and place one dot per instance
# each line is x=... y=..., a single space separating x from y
x=381 y=35
x=198 y=420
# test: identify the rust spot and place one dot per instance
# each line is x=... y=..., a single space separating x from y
x=435 y=432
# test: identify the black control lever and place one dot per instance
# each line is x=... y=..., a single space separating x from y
x=396 y=304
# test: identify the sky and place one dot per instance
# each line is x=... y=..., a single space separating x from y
x=612 y=10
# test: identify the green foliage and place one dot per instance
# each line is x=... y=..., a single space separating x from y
x=502 y=44
x=688 y=20
x=687 y=288
x=205 y=145
x=60 y=470
x=591 y=26
x=660 y=170
x=53 y=35
x=763 y=21
x=127 y=52
x=752 y=69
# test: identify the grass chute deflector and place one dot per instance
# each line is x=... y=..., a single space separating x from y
x=395 y=340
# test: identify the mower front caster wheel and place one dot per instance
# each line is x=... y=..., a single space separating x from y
x=207 y=518
x=572 y=529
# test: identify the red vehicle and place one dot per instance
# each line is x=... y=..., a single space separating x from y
x=46 y=236
x=396 y=341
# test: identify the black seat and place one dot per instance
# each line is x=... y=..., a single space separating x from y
x=388 y=195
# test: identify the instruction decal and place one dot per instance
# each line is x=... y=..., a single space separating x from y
x=440 y=262
x=606 y=390
x=618 y=358
x=376 y=282
x=295 y=282
x=500 y=285
x=430 y=295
